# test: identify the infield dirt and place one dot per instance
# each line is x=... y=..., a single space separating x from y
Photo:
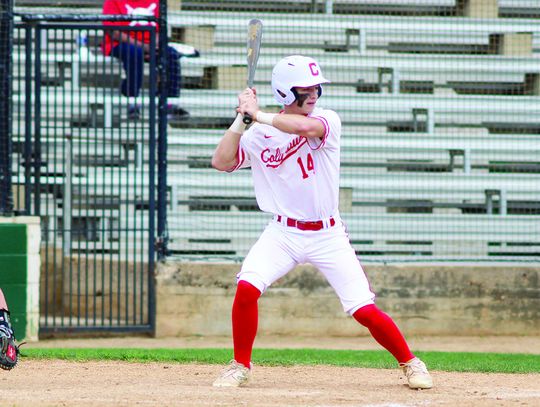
x=63 y=383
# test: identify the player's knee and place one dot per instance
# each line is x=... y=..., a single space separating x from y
x=246 y=293
x=367 y=315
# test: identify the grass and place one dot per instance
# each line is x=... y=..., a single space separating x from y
x=443 y=361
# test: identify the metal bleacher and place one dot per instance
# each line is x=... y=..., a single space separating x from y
x=387 y=72
x=449 y=8
x=400 y=235
x=405 y=151
x=390 y=110
x=440 y=144
x=366 y=33
x=413 y=165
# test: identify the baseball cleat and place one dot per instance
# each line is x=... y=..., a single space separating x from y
x=235 y=375
x=417 y=374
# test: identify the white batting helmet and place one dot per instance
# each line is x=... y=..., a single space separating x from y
x=295 y=71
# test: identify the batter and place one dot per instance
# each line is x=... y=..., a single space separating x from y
x=295 y=162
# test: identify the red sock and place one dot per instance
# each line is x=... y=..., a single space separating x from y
x=245 y=318
x=385 y=331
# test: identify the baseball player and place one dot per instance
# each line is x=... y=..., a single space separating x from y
x=295 y=162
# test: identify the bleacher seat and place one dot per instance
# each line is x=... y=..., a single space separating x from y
x=394 y=111
x=519 y=9
x=451 y=8
x=372 y=236
x=367 y=33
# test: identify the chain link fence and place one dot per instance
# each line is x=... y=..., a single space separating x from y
x=439 y=101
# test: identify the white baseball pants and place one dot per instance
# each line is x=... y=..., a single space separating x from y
x=280 y=248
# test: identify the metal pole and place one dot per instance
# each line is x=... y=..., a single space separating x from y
x=28 y=119
x=66 y=202
x=329 y=6
x=37 y=124
x=151 y=185
x=430 y=121
x=395 y=81
x=163 y=69
x=6 y=201
x=467 y=161
x=503 y=206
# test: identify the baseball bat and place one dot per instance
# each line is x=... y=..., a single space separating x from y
x=253 y=49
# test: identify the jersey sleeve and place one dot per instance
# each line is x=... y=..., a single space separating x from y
x=242 y=154
x=332 y=129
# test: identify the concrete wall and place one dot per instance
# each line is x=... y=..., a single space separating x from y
x=431 y=299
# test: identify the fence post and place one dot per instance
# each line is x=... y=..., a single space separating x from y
x=6 y=45
x=162 y=236
x=66 y=201
x=28 y=117
x=36 y=156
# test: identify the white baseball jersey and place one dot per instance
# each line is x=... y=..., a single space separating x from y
x=292 y=175
x=299 y=178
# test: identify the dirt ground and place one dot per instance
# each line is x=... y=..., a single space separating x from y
x=61 y=383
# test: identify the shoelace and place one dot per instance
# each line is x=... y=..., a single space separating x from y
x=415 y=367
x=233 y=367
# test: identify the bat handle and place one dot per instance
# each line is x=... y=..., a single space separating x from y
x=247 y=119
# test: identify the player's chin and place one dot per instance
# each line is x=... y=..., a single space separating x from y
x=309 y=107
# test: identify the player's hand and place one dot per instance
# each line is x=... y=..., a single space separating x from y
x=248 y=94
x=247 y=102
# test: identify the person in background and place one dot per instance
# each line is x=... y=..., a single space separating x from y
x=133 y=49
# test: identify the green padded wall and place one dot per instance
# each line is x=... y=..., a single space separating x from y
x=13 y=273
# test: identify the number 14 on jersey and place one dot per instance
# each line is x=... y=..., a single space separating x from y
x=307 y=167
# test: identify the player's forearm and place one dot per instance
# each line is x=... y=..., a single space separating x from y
x=292 y=123
x=226 y=154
